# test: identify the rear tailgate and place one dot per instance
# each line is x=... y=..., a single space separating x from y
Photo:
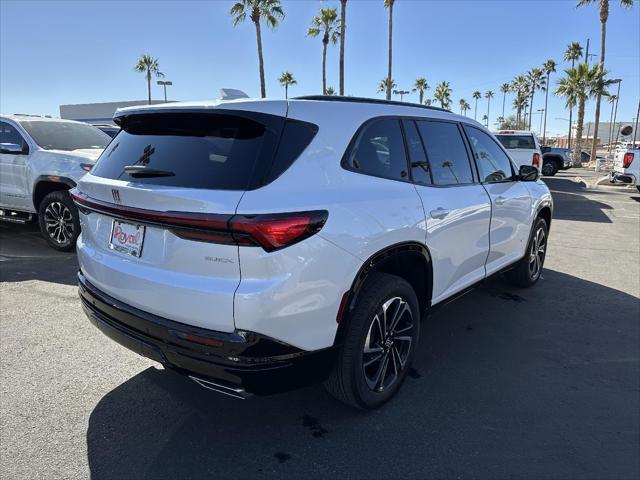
x=140 y=226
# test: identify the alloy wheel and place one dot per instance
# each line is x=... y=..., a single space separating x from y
x=537 y=252
x=388 y=344
x=59 y=222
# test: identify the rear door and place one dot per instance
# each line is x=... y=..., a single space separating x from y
x=162 y=180
x=457 y=208
x=510 y=200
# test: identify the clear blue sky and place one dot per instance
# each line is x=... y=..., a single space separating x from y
x=59 y=52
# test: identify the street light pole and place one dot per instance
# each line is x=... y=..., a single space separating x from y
x=618 y=81
x=164 y=83
x=541 y=110
x=402 y=93
x=635 y=130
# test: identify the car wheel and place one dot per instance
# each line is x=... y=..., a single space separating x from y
x=379 y=344
x=549 y=169
x=58 y=219
x=528 y=270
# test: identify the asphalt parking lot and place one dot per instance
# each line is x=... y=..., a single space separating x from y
x=538 y=383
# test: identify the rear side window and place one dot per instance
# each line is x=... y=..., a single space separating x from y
x=217 y=151
x=447 y=154
x=417 y=157
x=379 y=151
x=512 y=142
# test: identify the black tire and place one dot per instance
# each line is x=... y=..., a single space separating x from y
x=58 y=220
x=528 y=270
x=351 y=379
x=549 y=168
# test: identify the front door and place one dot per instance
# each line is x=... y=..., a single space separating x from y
x=510 y=201
x=13 y=170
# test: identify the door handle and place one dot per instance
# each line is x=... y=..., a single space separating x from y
x=500 y=200
x=439 y=213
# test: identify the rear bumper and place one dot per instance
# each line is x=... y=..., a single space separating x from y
x=239 y=364
x=618 y=177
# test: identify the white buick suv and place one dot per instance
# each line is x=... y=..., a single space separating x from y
x=261 y=245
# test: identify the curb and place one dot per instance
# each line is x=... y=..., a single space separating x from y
x=603 y=184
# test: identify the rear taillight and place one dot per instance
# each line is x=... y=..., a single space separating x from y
x=627 y=160
x=536 y=160
x=269 y=231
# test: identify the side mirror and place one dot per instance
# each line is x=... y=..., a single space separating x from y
x=11 y=148
x=528 y=173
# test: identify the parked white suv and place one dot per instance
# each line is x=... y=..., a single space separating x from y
x=523 y=147
x=40 y=160
x=257 y=245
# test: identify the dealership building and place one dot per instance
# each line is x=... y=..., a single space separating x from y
x=98 y=113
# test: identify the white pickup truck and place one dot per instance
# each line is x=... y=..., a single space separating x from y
x=523 y=147
x=40 y=160
x=626 y=167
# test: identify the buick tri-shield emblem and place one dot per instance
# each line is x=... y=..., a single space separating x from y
x=116 y=195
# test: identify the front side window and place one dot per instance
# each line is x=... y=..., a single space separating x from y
x=52 y=135
x=493 y=163
x=9 y=134
x=446 y=152
x=379 y=151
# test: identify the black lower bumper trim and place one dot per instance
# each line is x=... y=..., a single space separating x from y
x=243 y=362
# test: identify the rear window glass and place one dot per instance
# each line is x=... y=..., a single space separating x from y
x=65 y=135
x=221 y=151
x=517 y=141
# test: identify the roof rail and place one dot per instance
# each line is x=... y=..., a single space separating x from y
x=338 y=98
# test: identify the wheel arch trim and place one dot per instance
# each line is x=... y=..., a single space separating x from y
x=372 y=264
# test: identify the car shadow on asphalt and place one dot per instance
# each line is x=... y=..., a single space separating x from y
x=25 y=255
x=505 y=381
x=571 y=204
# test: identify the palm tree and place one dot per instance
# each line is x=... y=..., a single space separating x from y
x=343 y=27
x=269 y=10
x=285 y=80
x=488 y=95
x=331 y=91
x=535 y=77
x=462 y=102
x=466 y=107
x=442 y=94
x=149 y=66
x=548 y=67
x=572 y=53
x=504 y=88
x=328 y=25
x=485 y=120
x=477 y=95
x=421 y=86
x=521 y=87
x=580 y=84
x=389 y=4
x=604 y=16
x=385 y=85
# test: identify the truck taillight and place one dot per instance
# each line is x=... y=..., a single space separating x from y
x=627 y=159
x=536 y=160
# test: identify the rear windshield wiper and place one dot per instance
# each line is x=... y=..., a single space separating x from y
x=142 y=171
